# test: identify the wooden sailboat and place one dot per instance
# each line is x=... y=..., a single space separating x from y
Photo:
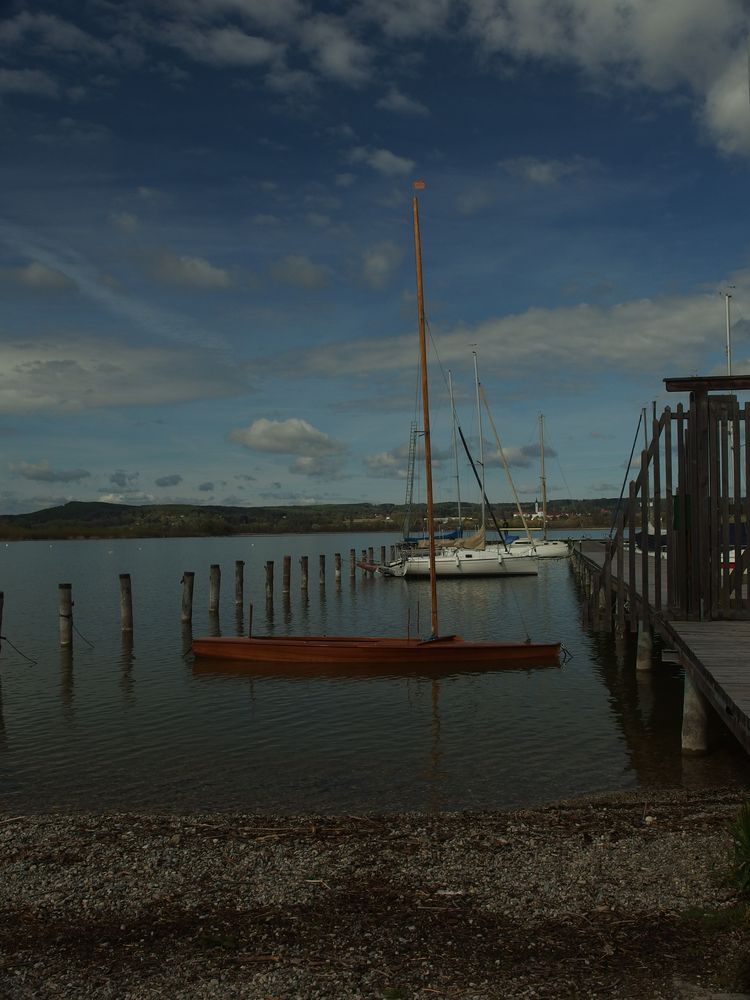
x=448 y=650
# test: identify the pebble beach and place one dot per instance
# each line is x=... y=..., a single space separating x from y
x=626 y=895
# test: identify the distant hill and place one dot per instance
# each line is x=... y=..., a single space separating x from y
x=80 y=519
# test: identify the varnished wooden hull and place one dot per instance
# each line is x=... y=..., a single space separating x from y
x=384 y=651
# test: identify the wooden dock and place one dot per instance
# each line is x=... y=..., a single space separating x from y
x=677 y=562
x=715 y=653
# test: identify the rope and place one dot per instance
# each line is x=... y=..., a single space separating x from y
x=5 y=638
x=625 y=480
x=78 y=632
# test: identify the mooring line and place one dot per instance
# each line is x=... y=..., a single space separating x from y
x=4 y=638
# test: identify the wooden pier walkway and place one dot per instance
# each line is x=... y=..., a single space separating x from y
x=716 y=653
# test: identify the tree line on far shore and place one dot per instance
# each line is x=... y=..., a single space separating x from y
x=95 y=519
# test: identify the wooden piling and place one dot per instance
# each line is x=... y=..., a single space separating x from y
x=239 y=583
x=250 y=619
x=322 y=570
x=371 y=554
x=65 y=612
x=695 y=711
x=214 y=589
x=352 y=564
x=303 y=572
x=382 y=555
x=337 y=566
x=269 y=581
x=645 y=647
x=188 y=582
x=126 y=603
x=286 y=575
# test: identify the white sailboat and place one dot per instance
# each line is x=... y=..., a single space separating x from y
x=472 y=556
x=544 y=547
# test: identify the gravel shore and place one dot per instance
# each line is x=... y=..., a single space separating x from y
x=619 y=896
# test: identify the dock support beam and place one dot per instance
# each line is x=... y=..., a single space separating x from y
x=695 y=711
x=645 y=647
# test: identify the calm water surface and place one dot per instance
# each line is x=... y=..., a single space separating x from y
x=114 y=727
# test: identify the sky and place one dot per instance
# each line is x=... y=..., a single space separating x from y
x=207 y=289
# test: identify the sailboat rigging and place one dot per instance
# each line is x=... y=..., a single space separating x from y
x=407 y=652
x=473 y=556
x=544 y=548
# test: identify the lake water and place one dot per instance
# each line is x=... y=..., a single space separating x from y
x=114 y=727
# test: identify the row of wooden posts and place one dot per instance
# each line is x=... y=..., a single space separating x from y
x=65 y=603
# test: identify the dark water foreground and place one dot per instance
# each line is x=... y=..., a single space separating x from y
x=117 y=726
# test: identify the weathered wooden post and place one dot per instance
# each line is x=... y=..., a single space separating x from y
x=65 y=612
x=322 y=571
x=337 y=567
x=303 y=572
x=645 y=647
x=286 y=575
x=214 y=588
x=239 y=582
x=352 y=564
x=126 y=603
x=250 y=619
x=382 y=555
x=269 y=581
x=371 y=554
x=188 y=581
x=695 y=711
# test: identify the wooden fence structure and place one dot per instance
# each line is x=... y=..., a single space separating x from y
x=679 y=545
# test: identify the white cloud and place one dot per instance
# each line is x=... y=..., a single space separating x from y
x=223 y=46
x=379 y=262
x=394 y=100
x=544 y=173
x=334 y=51
x=48 y=33
x=473 y=199
x=387 y=464
x=654 y=44
x=672 y=333
x=126 y=222
x=28 y=81
x=85 y=374
x=299 y=271
x=42 y=472
x=286 y=437
x=41 y=278
x=317 y=467
x=189 y=272
x=382 y=160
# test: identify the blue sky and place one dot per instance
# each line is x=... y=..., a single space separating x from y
x=206 y=258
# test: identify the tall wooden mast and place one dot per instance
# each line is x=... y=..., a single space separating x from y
x=425 y=411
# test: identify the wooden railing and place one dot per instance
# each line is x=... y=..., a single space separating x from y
x=679 y=544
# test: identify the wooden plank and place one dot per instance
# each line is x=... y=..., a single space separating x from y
x=620 y=572
x=737 y=504
x=714 y=479
x=669 y=513
x=656 y=472
x=682 y=550
x=723 y=568
x=644 y=535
